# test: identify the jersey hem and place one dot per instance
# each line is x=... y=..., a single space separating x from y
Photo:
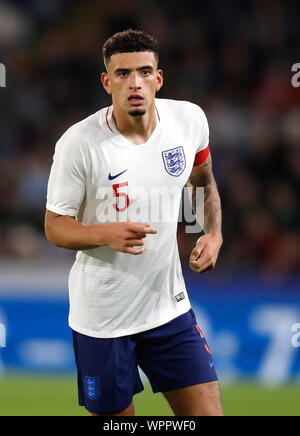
x=127 y=332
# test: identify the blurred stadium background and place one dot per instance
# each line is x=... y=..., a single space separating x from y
x=233 y=59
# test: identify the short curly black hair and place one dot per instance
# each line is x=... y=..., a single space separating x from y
x=129 y=41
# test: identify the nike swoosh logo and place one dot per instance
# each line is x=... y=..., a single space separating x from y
x=110 y=177
x=211 y=363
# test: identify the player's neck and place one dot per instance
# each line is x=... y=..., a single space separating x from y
x=137 y=129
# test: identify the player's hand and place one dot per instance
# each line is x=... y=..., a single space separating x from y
x=205 y=254
x=124 y=236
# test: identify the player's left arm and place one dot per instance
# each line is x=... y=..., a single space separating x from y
x=206 y=251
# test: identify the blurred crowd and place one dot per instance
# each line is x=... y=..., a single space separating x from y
x=233 y=59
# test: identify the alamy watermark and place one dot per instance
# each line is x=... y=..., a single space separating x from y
x=156 y=205
x=2 y=335
x=296 y=77
x=2 y=76
x=296 y=337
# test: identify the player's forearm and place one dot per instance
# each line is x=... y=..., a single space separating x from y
x=66 y=232
x=212 y=209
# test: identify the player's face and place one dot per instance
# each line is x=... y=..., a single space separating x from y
x=133 y=80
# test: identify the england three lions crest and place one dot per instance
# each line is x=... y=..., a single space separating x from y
x=92 y=387
x=174 y=161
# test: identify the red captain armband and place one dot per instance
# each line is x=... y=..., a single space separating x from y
x=201 y=156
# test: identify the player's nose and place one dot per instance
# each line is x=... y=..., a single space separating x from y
x=134 y=82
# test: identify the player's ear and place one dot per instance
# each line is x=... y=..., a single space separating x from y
x=106 y=82
x=160 y=80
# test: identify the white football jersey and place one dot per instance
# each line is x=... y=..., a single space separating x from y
x=99 y=176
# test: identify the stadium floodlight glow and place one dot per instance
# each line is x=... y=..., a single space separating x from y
x=2 y=76
x=296 y=77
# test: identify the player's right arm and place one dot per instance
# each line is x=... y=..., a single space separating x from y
x=66 y=192
x=66 y=232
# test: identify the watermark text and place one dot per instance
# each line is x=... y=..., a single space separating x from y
x=2 y=335
x=296 y=337
x=2 y=76
x=296 y=76
x=155 y=205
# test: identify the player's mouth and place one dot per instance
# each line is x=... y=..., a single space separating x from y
x=135 y=99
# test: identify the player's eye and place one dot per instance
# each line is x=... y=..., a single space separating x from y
x=145 y=72
x=123 y=74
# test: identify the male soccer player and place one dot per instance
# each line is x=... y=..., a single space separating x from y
x=128 y=302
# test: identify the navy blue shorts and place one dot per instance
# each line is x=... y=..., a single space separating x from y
x=173 y=356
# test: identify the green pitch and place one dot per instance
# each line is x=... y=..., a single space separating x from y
x=56 y=396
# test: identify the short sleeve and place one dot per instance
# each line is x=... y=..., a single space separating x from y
x=204 y=131
x=66 y=185
x=202 y=151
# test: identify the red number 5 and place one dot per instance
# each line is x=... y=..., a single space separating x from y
x=120 y=194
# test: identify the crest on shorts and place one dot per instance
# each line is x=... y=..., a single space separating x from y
x=174 y=161
x=92 y=387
